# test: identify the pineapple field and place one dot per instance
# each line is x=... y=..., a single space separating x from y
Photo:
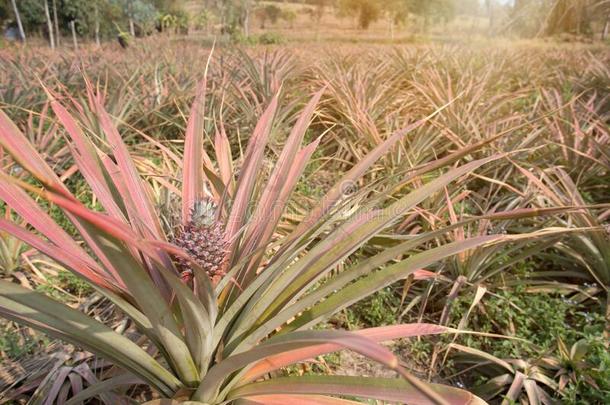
x=190 y=222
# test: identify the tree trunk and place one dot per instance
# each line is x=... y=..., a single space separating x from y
x=391 y=26
x=97 y=26
x=73 y=29
x=49 y=23
x=247 y=22
x=56 y=21
x=490 y=12
x=18 y=18
x=132 y=28
x=606 y=28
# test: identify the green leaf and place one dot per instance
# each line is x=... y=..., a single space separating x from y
x=297 y=279
x=43 y=313
x=382 y=278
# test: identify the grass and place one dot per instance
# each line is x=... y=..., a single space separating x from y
x=16 y=344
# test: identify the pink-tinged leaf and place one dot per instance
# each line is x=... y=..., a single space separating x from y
x=268 y=220
x=536 y=212
x=17 y=145
x=212 y=382
x=538 y=183
x=120 y=185
x=62 y=256
x=23 y=152
x=479 y=353
x=88 y=161
x=335 y=193
x=76 y=383
x=147 y=220
x=424 y=274
x=148 y=297
x=167 y=151
x=394 y=390
x=100 y=221
x=306 y=271
x=68 y=173
x=23 y=204
x=106 y=396
x=380 y=334
x=222 y=148
x=250 y=172
x=269 y=205
x=294 y=400
x=375 y=281
x=59 y=320
x=514 y=391
x=193 y=178
x=296 y=170
x=334 y=248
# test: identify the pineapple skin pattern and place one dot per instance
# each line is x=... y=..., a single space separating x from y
x=203 y=237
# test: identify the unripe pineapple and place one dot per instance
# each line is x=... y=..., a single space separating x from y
x=203 y=238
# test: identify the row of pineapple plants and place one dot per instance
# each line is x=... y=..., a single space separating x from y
x=212 y=213
x=211 y=301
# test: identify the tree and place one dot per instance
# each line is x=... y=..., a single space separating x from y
x=319 y=8
x=49 y=23
x=246 y=7
x=443 y=10
x=365 y=11
x=203 y=19
x=270 y=13
x=56 y=23
x=552 y=17
x=175 y=7
x=369 y=13
x=93 y=18
x=140 y=15
x=526 y=17
x=234 y=15
x=18 y=18
x=396 y=12
x=568 y=16
x=490 y=6
x=273 y=12
x=289 y=16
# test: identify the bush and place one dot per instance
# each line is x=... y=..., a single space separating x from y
x=270 y=38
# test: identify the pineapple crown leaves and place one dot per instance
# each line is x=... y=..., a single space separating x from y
x=204 y=212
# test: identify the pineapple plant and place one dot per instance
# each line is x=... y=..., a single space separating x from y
x=225 y=303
